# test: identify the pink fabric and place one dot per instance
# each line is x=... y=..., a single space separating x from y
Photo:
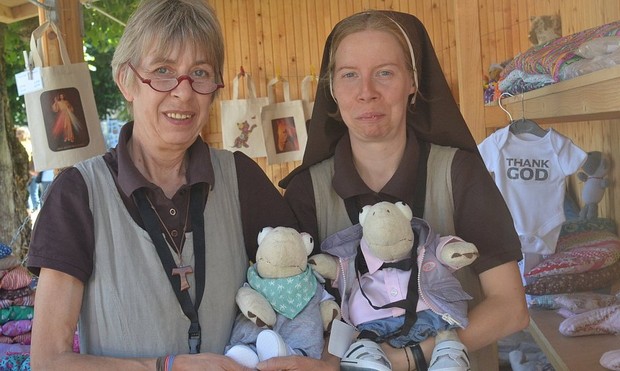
x=577 y=260
x=23 y=338
x=19 y=327
x=16 y=278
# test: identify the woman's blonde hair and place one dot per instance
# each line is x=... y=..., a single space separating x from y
x=368 y=20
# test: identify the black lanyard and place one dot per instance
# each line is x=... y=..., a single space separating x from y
x=167 y=260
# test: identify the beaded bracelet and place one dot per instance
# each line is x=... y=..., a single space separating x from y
x=418 y=356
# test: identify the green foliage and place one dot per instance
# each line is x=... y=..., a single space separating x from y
x=101 y=35
x=16 y=41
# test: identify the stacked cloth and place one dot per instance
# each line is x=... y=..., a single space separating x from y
x=16 y=311
x=560 y=59
x=587 y=258
x=576 y=280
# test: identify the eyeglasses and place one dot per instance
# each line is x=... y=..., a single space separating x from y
x=202 y=86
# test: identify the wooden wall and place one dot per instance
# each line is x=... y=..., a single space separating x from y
x=504 y=27
x=285 y=37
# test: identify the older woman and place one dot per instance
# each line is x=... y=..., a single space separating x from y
x=385 y=127
x=145 y=247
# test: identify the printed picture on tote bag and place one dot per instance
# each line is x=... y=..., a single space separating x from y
x=285 y=134
x=65 y=123
x=284 y=126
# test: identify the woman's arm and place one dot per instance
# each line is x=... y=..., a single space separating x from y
x=56 y=311
x=57 y=307
x=503 y=310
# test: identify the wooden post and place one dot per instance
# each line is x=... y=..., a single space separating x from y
x=469 y=61
x=68 y=18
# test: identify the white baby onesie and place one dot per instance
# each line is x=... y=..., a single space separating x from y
x=530 y=172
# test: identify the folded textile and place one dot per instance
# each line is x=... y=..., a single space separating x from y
x=611 y=360
x=15 y=313
x=595 y=322
x=18 y=327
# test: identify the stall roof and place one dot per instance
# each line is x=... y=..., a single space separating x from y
x=17 y=10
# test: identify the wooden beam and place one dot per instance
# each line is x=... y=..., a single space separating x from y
x=469 y=65
x=70 y=24
x=17 y=13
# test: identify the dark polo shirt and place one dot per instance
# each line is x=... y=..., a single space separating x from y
x=63 y=237
x=480 y=213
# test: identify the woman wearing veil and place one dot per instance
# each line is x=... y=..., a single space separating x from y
x=385 y=127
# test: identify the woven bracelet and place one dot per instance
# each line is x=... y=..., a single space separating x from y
x=159 y=365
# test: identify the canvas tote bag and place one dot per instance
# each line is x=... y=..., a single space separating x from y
x=241 y=122
x=62 y=117
x=284 y=126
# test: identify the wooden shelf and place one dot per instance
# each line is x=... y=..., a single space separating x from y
x=594 y=96
x=568 y=353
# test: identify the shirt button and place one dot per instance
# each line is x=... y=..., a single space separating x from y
x=174 y=233
x=394 y=292
x=173 y=212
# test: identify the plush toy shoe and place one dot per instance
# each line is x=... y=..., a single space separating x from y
x=243 y=355
x=270 y=344
x=365 y=355
x=449 y=355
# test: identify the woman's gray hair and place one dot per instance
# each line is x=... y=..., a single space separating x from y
x=161 y=26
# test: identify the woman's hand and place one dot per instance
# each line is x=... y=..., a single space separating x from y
x=206 y=361
x=297 y=363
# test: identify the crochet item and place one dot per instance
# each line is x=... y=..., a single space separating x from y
x=595 y=322
x=611 y=360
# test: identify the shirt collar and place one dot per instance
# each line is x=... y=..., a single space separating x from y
x=372 y=262
x=347 y=182
x=199 y=169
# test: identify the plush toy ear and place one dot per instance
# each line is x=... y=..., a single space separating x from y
x=363 y=214
x=308 y=242
x=263 y=232
x=405 y=209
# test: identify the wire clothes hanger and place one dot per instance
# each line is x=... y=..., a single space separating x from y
x=522 y=125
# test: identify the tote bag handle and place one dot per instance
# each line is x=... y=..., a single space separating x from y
x=271 y=94
x=249 y=85
x=36 y=49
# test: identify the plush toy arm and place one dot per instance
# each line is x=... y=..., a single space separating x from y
x=456 y=253
x=324 y=264
x=330 y=311
x=255 y=307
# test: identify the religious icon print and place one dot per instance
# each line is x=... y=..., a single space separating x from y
x=65 y=122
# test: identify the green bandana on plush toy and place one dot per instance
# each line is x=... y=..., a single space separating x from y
x=288 y=296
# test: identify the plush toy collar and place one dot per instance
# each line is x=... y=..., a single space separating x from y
x=288 y=296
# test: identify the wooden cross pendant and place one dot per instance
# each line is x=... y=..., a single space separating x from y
x=182 y=272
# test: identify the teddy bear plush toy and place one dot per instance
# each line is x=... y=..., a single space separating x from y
x=284 y=309
x=594 y=174
x=389 y=260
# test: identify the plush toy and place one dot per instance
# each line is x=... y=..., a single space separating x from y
x=284 y=307
x=594 y=173
x=544 y=28
x=387 y=236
